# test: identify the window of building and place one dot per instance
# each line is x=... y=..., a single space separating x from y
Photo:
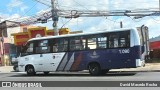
x=25 y=29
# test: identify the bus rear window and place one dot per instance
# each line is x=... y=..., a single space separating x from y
x=119 y=39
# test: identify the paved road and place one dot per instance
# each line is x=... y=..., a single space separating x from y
x=149 y=73
x=82 y=76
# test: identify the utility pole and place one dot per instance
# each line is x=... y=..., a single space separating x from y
x=3 y=49
x=55 y=17
x=159 y=5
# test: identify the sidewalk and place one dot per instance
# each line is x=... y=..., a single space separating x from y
x=6 y=69
x=150 y=67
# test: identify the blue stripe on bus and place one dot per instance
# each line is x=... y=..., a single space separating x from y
x=108 y=58
x=63 y=62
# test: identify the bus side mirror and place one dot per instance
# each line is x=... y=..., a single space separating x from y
x=22 y=50
x=24 y=54
x=22 y=47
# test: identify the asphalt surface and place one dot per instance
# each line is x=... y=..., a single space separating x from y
x=82 y=76
x=149 y=73
x=151 y=67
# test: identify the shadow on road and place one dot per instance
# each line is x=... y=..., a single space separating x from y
x=72 y=74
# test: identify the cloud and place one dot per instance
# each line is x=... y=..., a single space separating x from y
x=107 y=4
x=133 y=4
x=83 y=4
x=3 y=17
x=23 y=8
x=14 y=17
x=15 y=3
x=18 y=4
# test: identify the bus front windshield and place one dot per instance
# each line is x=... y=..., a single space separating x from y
x=27 y=49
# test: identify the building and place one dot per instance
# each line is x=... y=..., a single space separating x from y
x=7 y=47
x=155 y=47
x=154 y=43
x=13 y=36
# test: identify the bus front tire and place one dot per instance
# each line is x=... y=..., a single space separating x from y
x=30 y=71
x=94 y=69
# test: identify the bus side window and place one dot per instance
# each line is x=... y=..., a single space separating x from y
x=91 y=43
x=77 y=43
x=124 y=39
x=113 y=40
x=61 y=45
x=119 y=40
x=55 y=48
x=122 y=42
x=102 y=42
x=43 y=47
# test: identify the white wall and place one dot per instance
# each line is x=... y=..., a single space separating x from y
x=11 y=31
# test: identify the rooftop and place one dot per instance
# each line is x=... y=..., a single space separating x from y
x=155 y=39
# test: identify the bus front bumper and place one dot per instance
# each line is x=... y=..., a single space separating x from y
x=139 y=62
x=21 y=68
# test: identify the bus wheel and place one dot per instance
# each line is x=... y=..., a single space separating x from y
x=94 y=69
x=46 y=73
x=103 y=72
x=30 y=71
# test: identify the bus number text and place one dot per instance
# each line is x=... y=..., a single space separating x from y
x=124 y=51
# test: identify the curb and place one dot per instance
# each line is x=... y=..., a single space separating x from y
x=138 y=71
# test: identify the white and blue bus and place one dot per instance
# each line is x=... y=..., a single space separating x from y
x=97 y=52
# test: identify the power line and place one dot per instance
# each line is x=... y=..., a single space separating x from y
x=85 y=13
x=15 y=19
x=135 y=19
x=30 y=9
x=66 y=23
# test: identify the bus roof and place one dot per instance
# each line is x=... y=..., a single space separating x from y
x=80 y=34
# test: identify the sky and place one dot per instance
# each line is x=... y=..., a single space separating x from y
x=11 y=9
